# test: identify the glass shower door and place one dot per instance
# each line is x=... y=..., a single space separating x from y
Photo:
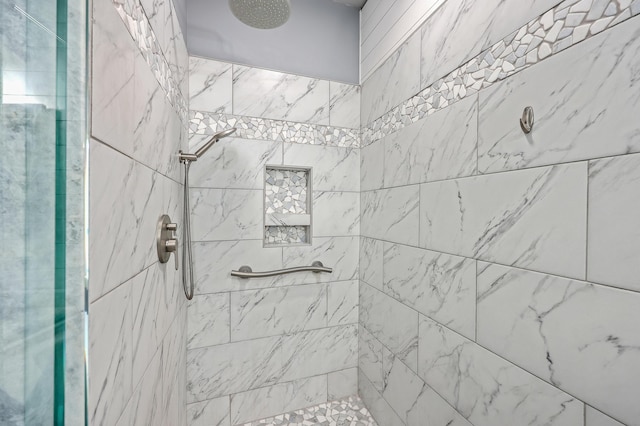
x=42 y=273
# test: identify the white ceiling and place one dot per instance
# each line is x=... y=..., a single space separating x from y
x=352 y=3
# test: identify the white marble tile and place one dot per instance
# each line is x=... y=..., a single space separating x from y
x=214 y=261
x=221 y=370
x=614 y=232
x=372 y=166
x=402 y=388
x=344 y=105
x=315 y=352
x=372 y=356
x=431 y=409
x=440 y=286
x=342 y=305
x=146 y=402
x=209 y=320
x=530 y=218
x=461 y=29
x=396 y=80
x=440 y=146
x=569 y=125
x=596 y=418
x=271 y=94
x=156 y=11
x=336 y=214
x=339 y=253
x=379 y=408
x=174 y=370
x=485 y=388
x=125 y=201
x=112 y=88
x=391 y=322
x=210 y=85
x=235 y=163
x=342 y=383
x=226 y=214
x=558 y=328
x=277 y=399
x=334 y=169
x=276 y=311
x=371 y=258
x=110 y=356
x=212 y=412
x=391 y=214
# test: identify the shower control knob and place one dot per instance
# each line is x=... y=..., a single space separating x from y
x=171 y=227
x=171 y=245
x=166 y=241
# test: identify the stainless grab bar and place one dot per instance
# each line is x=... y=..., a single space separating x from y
x=247 y=272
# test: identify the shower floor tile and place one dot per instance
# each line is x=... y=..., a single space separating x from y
x=349 y=411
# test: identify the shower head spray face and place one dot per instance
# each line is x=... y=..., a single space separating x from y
x=261 y=14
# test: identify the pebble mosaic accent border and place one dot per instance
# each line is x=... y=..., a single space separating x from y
x=569 y=23
x=345 y=412
x=285 y=235
x=286 y=191
x=138 y=25
x=206 y=123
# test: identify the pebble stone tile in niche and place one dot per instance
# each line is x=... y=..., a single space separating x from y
x=569 y=23
x=286 y=191
x=344 y=412
x=279 y=235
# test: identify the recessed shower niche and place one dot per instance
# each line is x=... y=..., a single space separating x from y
x=287 y=206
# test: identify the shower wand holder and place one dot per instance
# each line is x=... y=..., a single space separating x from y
x=166 y=241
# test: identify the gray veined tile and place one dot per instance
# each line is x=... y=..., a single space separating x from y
x=174 y=370
x=372 y=166
x=402 y=388
x=344 y=105
x=431 y=409
x=212 y=412
x=342 y=383
x=342 y=303
x=594 y=417
x=569 y=126
x=210 y=85
x=485 y=388
x=440 y=146
x=280 y=96
x=371 y=258
x=558 y=328
x=338 y=170
x=146 y=402
x=614 y=232
x=529 y=218
x=440 y=286
x=208 y=320
x=391 y=214
x=379 y=408
x=336 y=214
x=372 y=358
x=277 y=311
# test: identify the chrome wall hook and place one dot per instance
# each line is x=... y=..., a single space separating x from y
x=526 y=122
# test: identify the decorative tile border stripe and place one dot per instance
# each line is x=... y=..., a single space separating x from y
x=569 y=23
x=345 y=412
x=208 y=123
x=138 y=25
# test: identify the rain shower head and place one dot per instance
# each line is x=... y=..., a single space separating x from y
x=261 y=14
x=215 y=138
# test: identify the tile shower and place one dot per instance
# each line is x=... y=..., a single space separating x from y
x=480 y=276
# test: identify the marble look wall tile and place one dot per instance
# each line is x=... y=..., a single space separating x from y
x=342 y=305
x=276 y=311
x=372 y=357
x=391 y=214
x=440 y=286
x=379 y=408
x=339 y=253
x=271 y=94
x=210 y=85
x=214 y=261
x=336 y=214
x=338 y=170
x=431 y=409
x=208 y=320
x=110 y=356
x=614 y=232
x=402 y=388
x=594 y=417
x=391 y=322
x=125 y=199
x=315 y=352
x=342 y=383
x=281 y=398
x=212 y=412
x=569 y=126
x=216 y=371
x=146 y=402
x=226 y=214
x=235 y=164
x=557 y=329
x=174 y=370
x=371 y=258
x=530 y=218
x=344 y=105
x=372 y=166
x=396 y=80
x=486 y=389
x=441 y=146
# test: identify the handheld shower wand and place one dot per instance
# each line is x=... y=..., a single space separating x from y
x=187 y=260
